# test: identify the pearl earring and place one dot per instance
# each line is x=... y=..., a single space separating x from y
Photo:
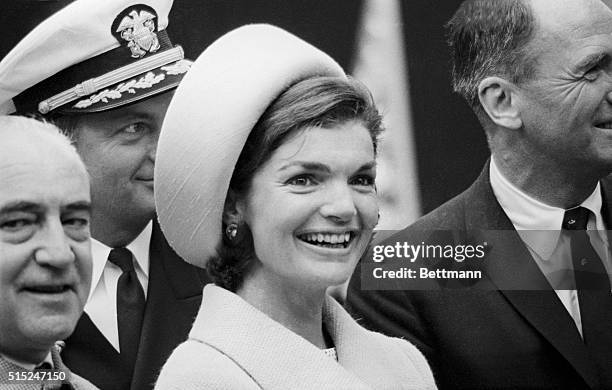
x=231 y=231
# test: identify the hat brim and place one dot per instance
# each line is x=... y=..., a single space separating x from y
x=142 y=86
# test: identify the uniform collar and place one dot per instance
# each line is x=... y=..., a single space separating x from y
x=139 y=248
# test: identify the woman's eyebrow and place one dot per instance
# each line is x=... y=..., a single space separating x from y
x=368 y=165
x=309 y=165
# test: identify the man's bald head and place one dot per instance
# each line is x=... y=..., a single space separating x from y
x=22 y=136
x=45 y=256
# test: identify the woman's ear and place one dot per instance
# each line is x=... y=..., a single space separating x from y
x=233 y=209
x=499 y=99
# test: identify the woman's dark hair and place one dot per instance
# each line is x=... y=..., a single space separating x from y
x=314 y=102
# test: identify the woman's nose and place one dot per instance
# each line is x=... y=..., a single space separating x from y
x=340 y=205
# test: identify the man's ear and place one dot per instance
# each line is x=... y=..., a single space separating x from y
x=499 y=99
x=233 y=210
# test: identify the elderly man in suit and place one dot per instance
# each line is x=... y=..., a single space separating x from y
x=45 y=256
x=105 y=71
x=538 y=74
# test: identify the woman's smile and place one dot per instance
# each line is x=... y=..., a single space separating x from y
x=326 y=239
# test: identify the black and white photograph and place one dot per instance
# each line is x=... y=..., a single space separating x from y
x=305 y=194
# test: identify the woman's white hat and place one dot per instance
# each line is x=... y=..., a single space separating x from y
x=213 y=111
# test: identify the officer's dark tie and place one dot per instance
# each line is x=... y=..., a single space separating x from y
x=594 y=297
x=130 y=305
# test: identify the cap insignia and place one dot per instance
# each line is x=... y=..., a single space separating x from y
x=138 y=28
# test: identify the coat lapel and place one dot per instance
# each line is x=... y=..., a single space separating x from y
x=509 y=261
x=173 y=299
x=232 y=326
x=364 y=354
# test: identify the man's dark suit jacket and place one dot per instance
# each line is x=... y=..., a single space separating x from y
x=477 y=339
x=173 y=299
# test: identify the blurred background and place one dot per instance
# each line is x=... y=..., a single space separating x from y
x=433 y=148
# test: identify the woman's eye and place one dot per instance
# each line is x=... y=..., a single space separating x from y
x=301 y=180
x=364 y=180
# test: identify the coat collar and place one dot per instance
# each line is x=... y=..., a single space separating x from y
x=232 y=326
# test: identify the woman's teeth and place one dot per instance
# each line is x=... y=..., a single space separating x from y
x=329 y=240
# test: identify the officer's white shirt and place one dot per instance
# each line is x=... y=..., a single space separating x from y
x=101 y=305
x=550 y=246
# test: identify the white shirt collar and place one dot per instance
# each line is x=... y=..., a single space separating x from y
x=139 y=248
x=527 y=213
x=29 y=366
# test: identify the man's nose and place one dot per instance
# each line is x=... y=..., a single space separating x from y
x=54 y=249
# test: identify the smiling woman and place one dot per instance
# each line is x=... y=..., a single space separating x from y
x=278 y=200
x=303 y=182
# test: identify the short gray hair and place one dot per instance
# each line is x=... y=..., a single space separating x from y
x=490 y=38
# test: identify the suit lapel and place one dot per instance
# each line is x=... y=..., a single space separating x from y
x=606 y=207
x=173 y=299
x=508 y=262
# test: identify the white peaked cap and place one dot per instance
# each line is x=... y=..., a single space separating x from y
x=80 y=43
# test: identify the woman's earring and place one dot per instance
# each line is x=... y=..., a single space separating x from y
x=231 y=231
